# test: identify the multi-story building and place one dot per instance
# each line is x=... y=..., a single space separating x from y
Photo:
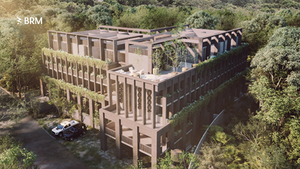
x=135 y=111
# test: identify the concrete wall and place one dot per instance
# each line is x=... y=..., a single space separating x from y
x=139 y=62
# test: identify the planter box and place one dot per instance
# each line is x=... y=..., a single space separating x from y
x=80 y=74
x=92 y=77
x=98 y=79
x=158 y=118
x=59 y=68
x=74 y=72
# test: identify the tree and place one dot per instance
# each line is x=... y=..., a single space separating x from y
x=257 y=31
x=13 y=156
x=202 y=20
x=259 y=156
x=99 y=15
x=16 y=48
x=116 y=10
x=279 y=60
x=212 y=156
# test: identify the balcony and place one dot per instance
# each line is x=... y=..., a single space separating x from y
x=145 y=141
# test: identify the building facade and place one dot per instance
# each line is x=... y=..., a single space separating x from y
x=136 y=110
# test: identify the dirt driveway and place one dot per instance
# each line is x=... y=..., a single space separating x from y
x=50 y=153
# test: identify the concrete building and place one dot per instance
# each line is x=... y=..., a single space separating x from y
x=136 y=110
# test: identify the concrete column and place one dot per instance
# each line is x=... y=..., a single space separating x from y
x=208 y=49
x=136 y=144
x=117 y=95
x=233 y=39
x=58 y=41
x=155 y=149
x=88 y=76
x=91 y=111
x=52 y=60
x=125 y=95
x=171 y=137
x=95 y=77
x=164 y=108
x=79 y=102
x=77 y=76
x=56 y=67
x=143 y=104
x=115 y=51
x=68 y=96
x=89 y=44
x=103 y=137
x=153 y=100
x=134 y=103
x=42 y=86
x=68 y=43
x=118 y=134
x=50 y=40
x=200 y=47
x=109 y=90
x=82 y=80
x=67 y=70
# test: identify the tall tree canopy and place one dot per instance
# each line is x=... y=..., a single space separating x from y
x=202 y=20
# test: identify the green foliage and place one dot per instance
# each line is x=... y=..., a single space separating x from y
x=212 y=156
x=183 y=159
x=147 y=18
x=202 y=20
x=116 y=10
x=259 y=156
x=99 y=15
x=258 y=31
x=157 y=58
x=75 y=58
x=217 y=135
x=279 y=60
x=13 y=156
x=254 y=131
x=74 y=89
x=213 y=61
x=182 y=115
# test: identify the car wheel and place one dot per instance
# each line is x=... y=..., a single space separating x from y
x=71 y=139
x=60 y=134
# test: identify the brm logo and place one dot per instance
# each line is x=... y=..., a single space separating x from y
x=31 y=20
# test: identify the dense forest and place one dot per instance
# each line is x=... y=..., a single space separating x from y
x=265 y=138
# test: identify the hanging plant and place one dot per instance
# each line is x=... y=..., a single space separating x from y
x=75 y=58
x=74 y=89
x=195 y=106
x=237 y=52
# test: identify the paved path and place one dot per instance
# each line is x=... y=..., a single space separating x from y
x=50 y=153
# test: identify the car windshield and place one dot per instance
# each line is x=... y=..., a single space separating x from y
x=60 y=127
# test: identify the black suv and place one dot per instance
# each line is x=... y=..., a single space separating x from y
x=75 y=131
